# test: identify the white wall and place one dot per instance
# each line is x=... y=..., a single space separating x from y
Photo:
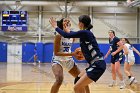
x=122 y=20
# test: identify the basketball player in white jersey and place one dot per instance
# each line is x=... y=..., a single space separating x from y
x=62 y=58
x=129 y=59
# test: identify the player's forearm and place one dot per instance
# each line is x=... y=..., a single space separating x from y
x=125 y=52
x=136 y=51
x=108 y=52
x=61 y=32
x=119 y=49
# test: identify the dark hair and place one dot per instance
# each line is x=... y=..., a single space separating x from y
x=60 y=23
x=127 y=41
x=112 y=31
x=85 y=19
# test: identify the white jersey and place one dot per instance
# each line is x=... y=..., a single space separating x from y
x=65 y=46
x=130 y=56
x=130 y=50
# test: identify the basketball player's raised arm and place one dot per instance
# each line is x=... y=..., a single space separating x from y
x=134 y=49
x=71 y=34
x=57 y=47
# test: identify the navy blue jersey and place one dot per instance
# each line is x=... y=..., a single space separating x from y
x=88 y=43
x=113 y=44
x=113 y=47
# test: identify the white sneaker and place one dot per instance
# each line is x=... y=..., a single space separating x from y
x=135 y=81
x=113 y=83
x=122 y=85
x=131 y=80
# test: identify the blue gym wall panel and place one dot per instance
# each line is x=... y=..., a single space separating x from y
x=28 y=52
x=3 y=52
x=40 y=54
x=48 y=52
x=104 y=49
x=45 y=52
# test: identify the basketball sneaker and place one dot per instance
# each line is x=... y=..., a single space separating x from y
x=135 y=81
x=131 y=80
x=122 y=85
x=113 y=83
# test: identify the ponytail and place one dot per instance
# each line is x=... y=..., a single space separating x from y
x=89 y=27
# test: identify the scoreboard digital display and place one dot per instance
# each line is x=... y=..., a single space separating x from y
x=14 y=21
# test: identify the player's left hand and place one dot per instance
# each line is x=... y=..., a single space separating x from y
x=53 y=22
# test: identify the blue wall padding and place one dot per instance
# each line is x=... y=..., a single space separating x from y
x=28 y=52
x=45 y=51
x=137 y=57
x=48 y=52
x=3 y=52
x=104 y=49
x=40 y=51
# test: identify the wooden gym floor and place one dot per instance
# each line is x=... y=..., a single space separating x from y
x=27 y=78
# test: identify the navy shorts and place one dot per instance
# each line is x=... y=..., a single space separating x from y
x=116 y=59
x=95 y=70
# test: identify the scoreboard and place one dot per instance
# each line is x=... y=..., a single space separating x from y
x=14 y=21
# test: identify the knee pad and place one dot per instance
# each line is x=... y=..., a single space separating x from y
x=76 y=79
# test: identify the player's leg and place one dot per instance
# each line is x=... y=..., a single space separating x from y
x=118 y=71
x=58 y=72
x=113 y=82
x=75 y=71
x=127 y=69
x=35 y=59
x=93 y=73
x=81 y=83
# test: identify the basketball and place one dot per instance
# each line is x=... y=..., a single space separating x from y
x=78 y=54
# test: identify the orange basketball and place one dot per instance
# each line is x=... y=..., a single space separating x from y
x=78 y=54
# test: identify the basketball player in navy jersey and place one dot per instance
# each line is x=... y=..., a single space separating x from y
x=62 y=58
x=116 y=50
x=90 y=50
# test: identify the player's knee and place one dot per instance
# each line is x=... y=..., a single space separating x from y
x=113 y=70
x=76 y=79
x=117 y=70
x=77 y=87
x=59 y=79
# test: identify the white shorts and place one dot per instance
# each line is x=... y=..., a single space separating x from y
x=129 y=59
x=68 y=65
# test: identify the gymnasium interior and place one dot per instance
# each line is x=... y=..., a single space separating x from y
x=25 y=26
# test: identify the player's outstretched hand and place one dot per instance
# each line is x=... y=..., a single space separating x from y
x=53 y=22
